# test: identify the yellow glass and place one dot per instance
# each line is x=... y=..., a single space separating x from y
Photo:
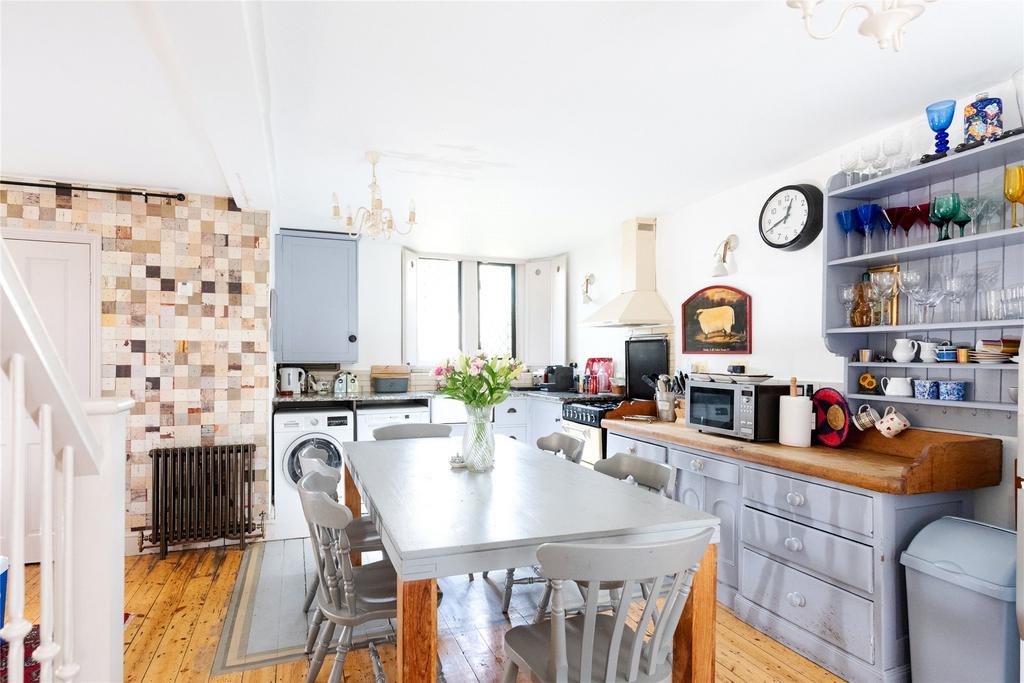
x=1013 y=189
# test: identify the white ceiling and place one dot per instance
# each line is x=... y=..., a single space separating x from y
x=520 y=128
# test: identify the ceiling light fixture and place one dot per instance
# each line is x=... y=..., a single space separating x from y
x=885 y=23
x=720 y=268
x=376 y=221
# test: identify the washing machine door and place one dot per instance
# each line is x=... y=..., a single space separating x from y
x=310 y=446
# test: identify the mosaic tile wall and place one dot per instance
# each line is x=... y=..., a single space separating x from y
x=195 y=365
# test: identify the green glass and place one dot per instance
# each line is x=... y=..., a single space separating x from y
x=946 y=207
x=961 y=220
x=933 y=218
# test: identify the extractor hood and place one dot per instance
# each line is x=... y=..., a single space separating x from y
x=639 y=304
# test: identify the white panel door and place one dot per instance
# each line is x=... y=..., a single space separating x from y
x=58 y=275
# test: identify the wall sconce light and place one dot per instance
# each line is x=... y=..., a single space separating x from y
x=720 y=269
x=587 y=281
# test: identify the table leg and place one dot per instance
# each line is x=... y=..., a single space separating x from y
x=417 y=631
x=694 y=642
x=354 y=503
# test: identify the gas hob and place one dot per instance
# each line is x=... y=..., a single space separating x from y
x=590 y=413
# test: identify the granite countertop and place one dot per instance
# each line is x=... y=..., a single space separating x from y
x=565 y=396
x=369 y=397
x=918 y=461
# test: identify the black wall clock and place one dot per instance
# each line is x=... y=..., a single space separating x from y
x=791 y=218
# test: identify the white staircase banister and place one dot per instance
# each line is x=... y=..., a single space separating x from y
x=46 y=381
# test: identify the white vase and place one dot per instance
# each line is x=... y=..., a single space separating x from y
x=478 y=440
x=904 y=351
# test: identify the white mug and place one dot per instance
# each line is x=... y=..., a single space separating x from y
x=897 y=386
x=892 y=423
x=928 y=354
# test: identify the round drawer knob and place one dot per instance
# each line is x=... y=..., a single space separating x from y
x=794 y=545
x=795 y=499
x=696 y=464
x=796 y=599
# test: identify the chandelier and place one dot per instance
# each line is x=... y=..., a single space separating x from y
x=885 y=23
x=376 y=221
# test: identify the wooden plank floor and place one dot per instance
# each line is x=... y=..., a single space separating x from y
x=178 y=607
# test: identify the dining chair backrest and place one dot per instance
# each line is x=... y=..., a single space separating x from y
x=667 y=569
x=417 y=430
x=308 y=465
x=653 y=476
x=569 y=446
x=327 y=520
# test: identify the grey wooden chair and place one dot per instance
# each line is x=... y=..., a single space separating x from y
x=362 y=532
x=604 y=647
x=570 y=448
x=411 y=431
x=653 y=476
x=346 y=596
x=567 y=445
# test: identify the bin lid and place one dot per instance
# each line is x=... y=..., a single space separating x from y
x=977 y=556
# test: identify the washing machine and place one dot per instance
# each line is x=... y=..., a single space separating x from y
x=303 y=432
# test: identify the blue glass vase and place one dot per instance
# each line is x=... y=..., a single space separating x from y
x=940 y=117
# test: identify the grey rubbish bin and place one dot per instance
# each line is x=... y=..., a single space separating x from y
x=961 y=593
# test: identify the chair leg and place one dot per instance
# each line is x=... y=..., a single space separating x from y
x=511 y=672
x=542 y=608
x=471 y=576
x=440 y=671
x=484 y=574
x=314 y=630
x=311 y=593
x=317 y=662
x=344 y=645
x=510 y=577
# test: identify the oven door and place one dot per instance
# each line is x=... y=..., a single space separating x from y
x=712 y=408
x=593 y=438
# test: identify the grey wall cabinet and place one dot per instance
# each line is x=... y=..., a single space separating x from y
x=316 y=298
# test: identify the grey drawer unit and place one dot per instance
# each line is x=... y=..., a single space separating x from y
x=833 y=506
x=833 y=556
x=622 y=444
x=701 y=464
x=829 y=612
x=511 y=411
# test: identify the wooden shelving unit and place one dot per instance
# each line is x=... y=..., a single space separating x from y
x=977 y=173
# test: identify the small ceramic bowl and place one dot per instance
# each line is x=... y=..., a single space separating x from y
x=952 y=390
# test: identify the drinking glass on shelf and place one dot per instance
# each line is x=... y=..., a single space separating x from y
x=883 y=284
x=911 y=283
x=1013 y=189
x=956 y=287
x=870 y=154
x=940 y=116
x=892 y=147
x=866 y=214
x=946 y=208
x=930 y=299
x=894 y=215
x=848 y=221
x=848 y=159
x=991 y=304
x=970 y=208
x=848 y=295
x=924 y=213
x=887 y=228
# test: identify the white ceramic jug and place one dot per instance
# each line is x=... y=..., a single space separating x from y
x=928 y=352
x=904 y=351
x=897 y=386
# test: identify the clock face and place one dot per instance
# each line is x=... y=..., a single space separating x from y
x=784 y=217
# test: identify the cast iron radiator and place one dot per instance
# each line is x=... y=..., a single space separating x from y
x=201 y=493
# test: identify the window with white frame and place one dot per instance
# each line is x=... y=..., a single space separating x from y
x=458 y=303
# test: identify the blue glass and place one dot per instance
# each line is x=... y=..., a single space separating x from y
x=940 y=117
x=849 y=222
x=867 y=214
x=887 y=226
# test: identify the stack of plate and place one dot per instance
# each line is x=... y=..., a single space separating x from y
x=988 y=357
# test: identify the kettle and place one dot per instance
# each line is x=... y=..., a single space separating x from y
x=341 y=383
x=290 y=380
x=353 y=383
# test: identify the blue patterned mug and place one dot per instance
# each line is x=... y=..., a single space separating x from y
x=926 y=388
x=952 y=390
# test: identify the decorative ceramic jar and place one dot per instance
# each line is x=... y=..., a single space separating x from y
x=983 y=118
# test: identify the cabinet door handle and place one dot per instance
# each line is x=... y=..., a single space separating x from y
x=632 y=450
x=793 y=545
x=352 y=338
x=511 y=411
x=796 y=599
x=795 y=499
x=697 y=465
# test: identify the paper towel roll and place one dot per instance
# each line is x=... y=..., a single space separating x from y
x=795 y=421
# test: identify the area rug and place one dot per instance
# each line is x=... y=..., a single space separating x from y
x=31 y=668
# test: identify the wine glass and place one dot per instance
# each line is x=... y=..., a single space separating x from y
x=870 y=154
x=940 y=116
x=882 y=285
x=895 y=215
x=957 y=286
x=946 y=207
x=866 y=214
x=887 y=227
x=910 y=283
x=1013 y=189
x=924 y=212
x=848 y=221
x=848 y=295
x=930 y=299
x=961 y=219
x=970 y=208
x=936 y=220
x=848 y=162
x=892 y=147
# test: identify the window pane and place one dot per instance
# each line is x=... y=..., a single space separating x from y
x=497 y=308
x=437 y=310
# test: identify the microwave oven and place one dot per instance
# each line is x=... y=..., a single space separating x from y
x=745 y=411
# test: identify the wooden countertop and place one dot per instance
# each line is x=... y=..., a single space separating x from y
x=916 y=461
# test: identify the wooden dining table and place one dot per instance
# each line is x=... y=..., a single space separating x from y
x=436 y=521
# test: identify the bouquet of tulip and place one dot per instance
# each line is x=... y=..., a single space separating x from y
x=480 y=382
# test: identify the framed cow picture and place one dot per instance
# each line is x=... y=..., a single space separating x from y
x=716 y=319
